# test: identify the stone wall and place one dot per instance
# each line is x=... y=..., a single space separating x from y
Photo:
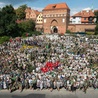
x=58 y=18
x=81 y=27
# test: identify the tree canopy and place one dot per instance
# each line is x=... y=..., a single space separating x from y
x=20 y=12
x=27 y=26
x=96 y=16
x=8 y=25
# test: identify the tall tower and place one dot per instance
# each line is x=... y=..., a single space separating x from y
x=56 y=18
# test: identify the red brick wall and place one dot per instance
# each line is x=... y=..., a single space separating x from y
x=55 y=18
x=80 y=27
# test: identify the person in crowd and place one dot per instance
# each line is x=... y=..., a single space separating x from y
x=49 y=62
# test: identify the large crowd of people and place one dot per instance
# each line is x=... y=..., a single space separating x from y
x=49 y=62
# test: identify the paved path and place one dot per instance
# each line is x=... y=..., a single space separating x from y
x=91 y=93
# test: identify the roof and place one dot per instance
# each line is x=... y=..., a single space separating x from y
x=84 y=13
x=95 y=10
x=37 y=12
x=56 y=6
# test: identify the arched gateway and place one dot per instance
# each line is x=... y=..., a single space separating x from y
x=55 y=18
x=54 y=26
x=54 y=29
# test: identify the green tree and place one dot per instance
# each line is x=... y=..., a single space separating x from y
x=8 y=25
x=96 y=16
x=68 y=31
x=20 y=12
x=96 y=29
x=27 y=26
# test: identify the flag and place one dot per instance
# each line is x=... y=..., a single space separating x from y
x=50 y=66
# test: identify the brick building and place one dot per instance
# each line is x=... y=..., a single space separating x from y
x=56 y=18
x=31 y=13
x=81 y=27
x=86 y=16
x=39 y=22
x=83 y=21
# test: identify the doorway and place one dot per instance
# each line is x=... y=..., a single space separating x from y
x=54 y=29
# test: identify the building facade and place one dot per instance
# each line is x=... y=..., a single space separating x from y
x=86 y=16
x=83 y=21
x=31 y=13
x=36 y=16
x=75 y=20
x=56 y=18
x=81 y=27
x=39 y=22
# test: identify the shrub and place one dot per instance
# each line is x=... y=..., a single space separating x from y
x=90 y=33
x=36 y=33
x=68 y=31
x=4 y=39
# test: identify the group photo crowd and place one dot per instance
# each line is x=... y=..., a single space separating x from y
x=49 y=62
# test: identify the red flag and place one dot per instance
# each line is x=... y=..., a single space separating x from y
x=49 y=66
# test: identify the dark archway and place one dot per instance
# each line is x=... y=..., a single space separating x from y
x=54 y=29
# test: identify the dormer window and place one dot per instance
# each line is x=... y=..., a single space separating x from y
x=54 y=6
x=74 y=17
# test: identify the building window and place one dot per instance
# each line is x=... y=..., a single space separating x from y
x=74 y=17
x=63 y=20
x=84 y=18
x=54 y=6
x=44 y=20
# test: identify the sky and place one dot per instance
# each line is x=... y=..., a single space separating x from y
x=74 y=5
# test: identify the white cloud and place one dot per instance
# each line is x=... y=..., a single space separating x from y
x=37 y=8
x=2 y=4
x=88 y=8
x=75 y=10
x=14 y=2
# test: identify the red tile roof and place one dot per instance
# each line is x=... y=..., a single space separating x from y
x=56 y=6
x=37 y=12
x=30 y=10
x=95 y=10
x=84 y=13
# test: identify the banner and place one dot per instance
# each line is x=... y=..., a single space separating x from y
x=50 y=66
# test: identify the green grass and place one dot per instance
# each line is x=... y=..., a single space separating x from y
x=4 y=39
x=90 y=33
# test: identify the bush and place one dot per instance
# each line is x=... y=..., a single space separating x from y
x=90 y=33
x=4 y=39
x=35 y=33
x=68 y=31
x=96 y=30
